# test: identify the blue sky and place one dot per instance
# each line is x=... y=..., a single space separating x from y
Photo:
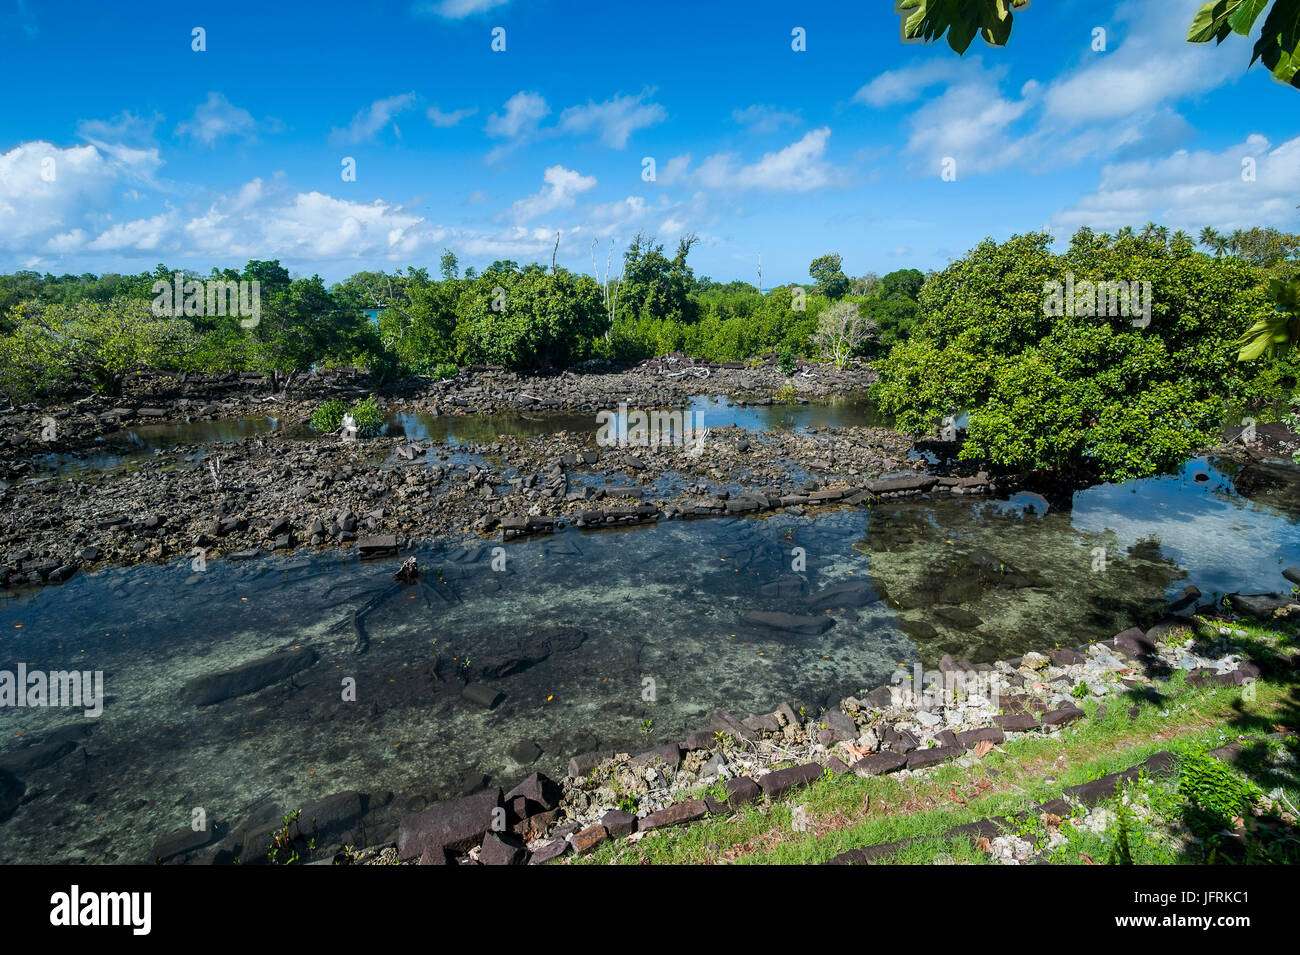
x=122 y=147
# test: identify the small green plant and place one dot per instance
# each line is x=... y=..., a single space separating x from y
x=647 y=725
x=286 y=840
x=367 y=417
x=1214 y=789
x=786 y=395
x=1080 y=691
x=328 y=416
x=1121 y=852
x=445 y=370
x=628 y=803
x=786 y=362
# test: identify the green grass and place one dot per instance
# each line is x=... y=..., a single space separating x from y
x=850 y=812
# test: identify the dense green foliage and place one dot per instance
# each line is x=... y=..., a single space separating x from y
x=328 y=415
x=1095 y=394
x=47 y=346
x=1214 y=789
x=366 y=415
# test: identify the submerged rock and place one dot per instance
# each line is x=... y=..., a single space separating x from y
x=11 y=793
x=788 y=622
x=248 y=677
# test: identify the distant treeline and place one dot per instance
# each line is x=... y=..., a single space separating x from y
x=61 y=332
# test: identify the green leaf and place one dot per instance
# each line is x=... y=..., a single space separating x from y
x=1243 y=18
x=961 y=20
x=1211 y=21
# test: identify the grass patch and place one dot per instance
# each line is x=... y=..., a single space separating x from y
x=850 y=812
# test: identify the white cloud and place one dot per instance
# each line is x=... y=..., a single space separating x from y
x=142 y=235
x=798 y=167
x=972 y=123
x=48 y=190
x=128 y=142
x=1151 y=65
x=457 y=9
x=518 y=122
x=1190 y=190
x=522 y=113
x=762 y=120
x=373 y=118
x=442 y=120
x=217 y=118
x=562 y=186
x=615 y=119
x=904 y=85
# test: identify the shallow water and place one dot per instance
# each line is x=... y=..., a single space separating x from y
x=569 y=631
x=707 y=412
x=123 y=448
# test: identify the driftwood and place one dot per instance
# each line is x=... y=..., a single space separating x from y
x=440 y=590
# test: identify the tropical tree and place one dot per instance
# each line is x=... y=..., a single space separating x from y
x=52 y=347
x=529 y=319
x=829 y=277
x=1093 y=395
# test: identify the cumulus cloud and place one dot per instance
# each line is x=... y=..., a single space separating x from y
x=373 y=118
x=1151 y=65
x=442 y=120
x=614 y=120
x=49 y=192
x=1190 y=190
x=907 y=84
x=217 y=118
x=799 y=167
x=762 y=120
x=560 y=192
x=518 y=121
x=456 y=9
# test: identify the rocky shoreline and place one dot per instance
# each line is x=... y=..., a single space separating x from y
x=957 y=714
x=896 y=729
x=284 y=490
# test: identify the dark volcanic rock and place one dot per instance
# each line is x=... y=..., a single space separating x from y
x=788 y=622
x=618 y=823
x=179 y=843
x=676 y=815
x=26 y=759
x=248 y=677
x=740 y=791
x=11 y=793
x=588 y=839
x=526 y=650
x=503 y=848
x=539 y=790
x=856 y=593
x=921 y=758
x=456 y=824
x=879 y=764
x=779 y=781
